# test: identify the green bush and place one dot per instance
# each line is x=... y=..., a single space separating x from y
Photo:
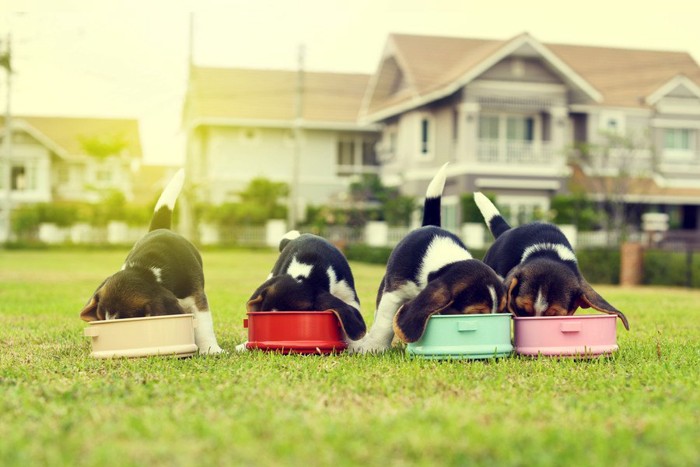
x=670 y=268
x=368 y=254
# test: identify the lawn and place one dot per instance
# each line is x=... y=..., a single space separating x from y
x=58 y=406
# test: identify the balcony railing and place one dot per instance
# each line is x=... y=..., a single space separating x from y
x=514 y=152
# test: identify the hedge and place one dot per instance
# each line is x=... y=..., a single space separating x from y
x=598 y=265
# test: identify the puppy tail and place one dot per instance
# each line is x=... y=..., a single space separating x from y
x=493 y=218
x=433 y=195
x=163 y=212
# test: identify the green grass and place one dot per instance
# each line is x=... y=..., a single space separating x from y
x=58 y=406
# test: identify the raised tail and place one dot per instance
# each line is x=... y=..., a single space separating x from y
x=433 y=195
x=163 y=212
x=494 y=220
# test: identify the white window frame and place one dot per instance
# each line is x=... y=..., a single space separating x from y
x=680 y=154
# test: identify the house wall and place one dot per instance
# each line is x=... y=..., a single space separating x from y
x=235 y=155
x=35 y=160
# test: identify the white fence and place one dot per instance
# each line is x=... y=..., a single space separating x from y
x=379 y=234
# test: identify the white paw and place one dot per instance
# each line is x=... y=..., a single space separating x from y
x=210 y=349
x=242 y=347
x=364 y=346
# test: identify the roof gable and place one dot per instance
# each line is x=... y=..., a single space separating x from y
x=440 y=66
x=66 y=136
x=679 y=86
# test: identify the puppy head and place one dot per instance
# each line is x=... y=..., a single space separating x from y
x=285 y=293
x=128 y=294
x=544 y=287
x=464 y=287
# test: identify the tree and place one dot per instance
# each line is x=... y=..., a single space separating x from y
x=615 y=167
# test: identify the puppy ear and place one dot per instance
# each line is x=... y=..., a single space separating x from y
x=350 y=318
x=165 y=304
x=91 y=310
x=254 y=304
x=511 y=293
x=589 y=298
x=411 y=319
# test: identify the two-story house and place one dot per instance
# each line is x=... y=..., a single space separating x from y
x=247 y=123
x=507 y=115
x=67 y=159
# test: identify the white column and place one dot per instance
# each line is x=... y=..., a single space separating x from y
x=468 y=128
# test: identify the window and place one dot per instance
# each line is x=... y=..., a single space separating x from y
x=488 y=127
x=612 y=122
x=427 y=136
x=18 y=177
x=345 y=156
x=677 y=138
x=369 y=155
x=520 y=128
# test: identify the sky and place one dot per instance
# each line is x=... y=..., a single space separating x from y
x=129 y=58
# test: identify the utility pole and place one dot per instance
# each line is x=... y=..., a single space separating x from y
x=5 y=62
x=293 y=205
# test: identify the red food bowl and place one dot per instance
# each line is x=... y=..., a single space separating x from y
x=302 y=332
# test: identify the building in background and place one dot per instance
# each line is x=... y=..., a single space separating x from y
x=240 y=124
x=516 y=118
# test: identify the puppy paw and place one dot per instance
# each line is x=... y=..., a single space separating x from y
x=364 y=346
x=211 y=350
x=242 y=347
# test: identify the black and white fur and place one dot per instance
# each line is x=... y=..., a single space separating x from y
x=162 y=275
x=540 y=268
x=311 y=274
x=430 y=271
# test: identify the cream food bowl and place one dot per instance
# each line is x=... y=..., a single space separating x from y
x=142 y=337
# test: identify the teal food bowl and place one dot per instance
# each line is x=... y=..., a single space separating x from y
x=464 y=337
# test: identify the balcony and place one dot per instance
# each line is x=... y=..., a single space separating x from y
x=515 y=152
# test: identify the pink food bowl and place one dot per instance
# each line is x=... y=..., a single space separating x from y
x=574 y=336
x=302 y=332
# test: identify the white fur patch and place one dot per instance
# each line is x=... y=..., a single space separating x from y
x=441 y=252
x=171 y=191
x=341 y=289
x=291 y=235
x=541 y=304
x=486 y=207
x=437 y=184
x=494 y=299
x=297 y=269
x=562 y=251
x=109 y=316
x=157 y=272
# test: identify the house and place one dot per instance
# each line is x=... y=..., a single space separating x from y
x=67 y=159
x=508 y=115
x=243 y=123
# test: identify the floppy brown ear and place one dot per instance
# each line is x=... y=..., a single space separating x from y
x=350 y=318
x=254 y=304
x=589 y=298
x=510 y=295
x=166 y=304
x=89 y=313
x=91 y=310
x=411 y=319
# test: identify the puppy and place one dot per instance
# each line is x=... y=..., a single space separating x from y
x=540 y=268
x=162 y=275
x=430 y=271
x=311 y=274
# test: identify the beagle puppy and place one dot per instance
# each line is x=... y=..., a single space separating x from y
x=162 y=275
x=311 y=274
x=541 y=272
x=430 y=271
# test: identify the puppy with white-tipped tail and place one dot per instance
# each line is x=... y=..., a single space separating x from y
x=541 y=272
x=430 y=271
x=162 y=275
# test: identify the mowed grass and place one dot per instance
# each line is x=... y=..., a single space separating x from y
x=58 y=406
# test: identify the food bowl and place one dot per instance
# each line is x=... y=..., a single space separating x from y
x=142 y=337
x=464 y=337
x=303 y=332
x=581 y=336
